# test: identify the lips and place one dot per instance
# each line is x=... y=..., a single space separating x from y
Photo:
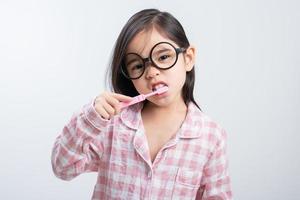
x=158 y=85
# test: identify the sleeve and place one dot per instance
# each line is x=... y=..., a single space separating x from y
x=215 y=184
x=79 y=147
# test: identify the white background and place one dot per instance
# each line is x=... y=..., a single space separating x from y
x=53 y=55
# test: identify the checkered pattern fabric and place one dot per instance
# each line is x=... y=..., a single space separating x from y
x=191 y=165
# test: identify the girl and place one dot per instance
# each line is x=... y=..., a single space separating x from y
x=162 y=148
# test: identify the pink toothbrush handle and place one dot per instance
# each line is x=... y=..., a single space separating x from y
x=142 y=97
x=135 y=100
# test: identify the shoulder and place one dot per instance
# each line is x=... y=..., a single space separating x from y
x=203 y=126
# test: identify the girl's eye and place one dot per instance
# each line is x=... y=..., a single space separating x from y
x=164 y=57
x=136 y=67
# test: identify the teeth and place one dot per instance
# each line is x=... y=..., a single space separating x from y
x=156 y=87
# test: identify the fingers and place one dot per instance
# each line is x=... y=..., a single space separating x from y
x=122 y=97
x=112 y=103
x=102 y=112
x=108 y=104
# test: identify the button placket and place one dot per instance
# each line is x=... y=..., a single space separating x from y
x=149 y=174
x=149 y=183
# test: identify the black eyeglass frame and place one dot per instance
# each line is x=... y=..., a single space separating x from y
x=149 y=59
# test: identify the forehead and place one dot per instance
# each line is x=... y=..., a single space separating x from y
x=143 y=42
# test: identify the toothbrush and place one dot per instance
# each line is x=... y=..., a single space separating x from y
x=142 y=97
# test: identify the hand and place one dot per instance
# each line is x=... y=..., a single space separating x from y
x=107 y=104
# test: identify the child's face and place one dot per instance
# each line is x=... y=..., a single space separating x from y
x=174 y=77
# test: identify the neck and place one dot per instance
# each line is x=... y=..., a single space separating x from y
x=178 y=107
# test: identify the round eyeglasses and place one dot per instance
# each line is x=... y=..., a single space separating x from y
x=163 y=56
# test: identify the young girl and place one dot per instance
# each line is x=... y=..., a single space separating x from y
x=162 y=148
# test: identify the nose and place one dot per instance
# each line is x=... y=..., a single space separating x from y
x=151 y=71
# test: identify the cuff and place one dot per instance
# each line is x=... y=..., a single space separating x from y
x=93 y=117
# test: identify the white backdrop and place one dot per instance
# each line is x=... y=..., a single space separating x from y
x=53 y=55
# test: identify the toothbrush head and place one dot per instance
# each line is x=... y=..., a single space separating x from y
x=162 y=90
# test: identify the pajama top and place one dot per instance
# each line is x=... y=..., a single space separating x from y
x=192 y=165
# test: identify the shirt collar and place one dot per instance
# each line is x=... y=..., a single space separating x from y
x=131 y=116
x=193 y=123
x=190 y=128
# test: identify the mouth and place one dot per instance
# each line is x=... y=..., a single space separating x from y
x=157 y=86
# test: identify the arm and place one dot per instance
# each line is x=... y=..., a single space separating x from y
x=79 y=147
x=215 y=184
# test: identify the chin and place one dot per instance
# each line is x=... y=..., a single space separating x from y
x=162 y=103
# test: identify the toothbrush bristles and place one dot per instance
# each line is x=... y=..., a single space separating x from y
x=162 y=90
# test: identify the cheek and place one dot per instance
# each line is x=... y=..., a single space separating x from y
x=178 y=76
x=139 y=85
x=180 y=80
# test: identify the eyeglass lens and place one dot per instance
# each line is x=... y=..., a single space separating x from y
x=162 y=56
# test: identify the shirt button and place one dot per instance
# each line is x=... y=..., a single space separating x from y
x=149 y=174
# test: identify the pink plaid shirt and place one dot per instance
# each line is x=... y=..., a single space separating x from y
x=192 y=165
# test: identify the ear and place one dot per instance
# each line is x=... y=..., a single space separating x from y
x=189 y=58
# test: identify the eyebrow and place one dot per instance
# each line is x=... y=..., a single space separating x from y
x=134 y=59
x=158 y=51
x=162 y=50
